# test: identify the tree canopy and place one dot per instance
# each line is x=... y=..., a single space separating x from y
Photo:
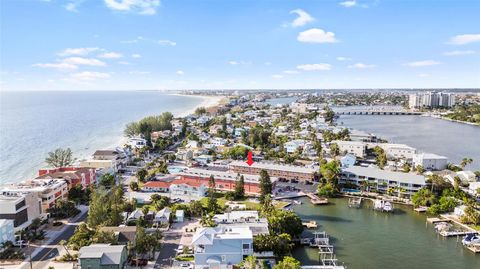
x=60 y=158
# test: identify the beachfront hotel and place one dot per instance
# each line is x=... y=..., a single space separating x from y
x=274 y=170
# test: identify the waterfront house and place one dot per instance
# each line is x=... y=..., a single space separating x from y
x=7 y=232
x=102 y=256
x=356 y=148
x=135 y=215
x=221 y=247
x=20 y=207
x=382 y=180
x=430 y=161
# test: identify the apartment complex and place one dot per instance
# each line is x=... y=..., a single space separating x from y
x=73 y=175
x=382 y=180
x=431 y=100
x=274 y=170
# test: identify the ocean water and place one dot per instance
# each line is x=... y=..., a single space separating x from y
x=34 y=123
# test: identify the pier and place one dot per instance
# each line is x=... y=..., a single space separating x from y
x=314 y=199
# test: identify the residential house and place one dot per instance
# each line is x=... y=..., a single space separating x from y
x=243 y=218
x=179 y=216
x=162 y=217
x=102 y=256
x=292 y=146
x=356 y=148
x=221 y=247
x=430 y=161
x=124 y=234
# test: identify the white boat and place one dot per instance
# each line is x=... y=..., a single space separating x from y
x=381 y=205
x=470 y=239
x=387 y=207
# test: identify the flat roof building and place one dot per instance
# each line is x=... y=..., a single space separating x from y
x=274 y=170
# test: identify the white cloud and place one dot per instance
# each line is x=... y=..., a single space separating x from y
x=291 y=72
x=123 y=63
x=316 y=35
x=143 y=7
x=179 y=72
x=136 y=55
x=268 y=63
x=167 y=42
x=343 y=59
x=361 y=66
x=72 y=7
x=110 y=55
x=88 y=76
x=351 y=3
x=314 y=67
x=233 y=62
x=458 y=52
x=83 y=61
x=77 y=51
x=422 y=63
x=464 y=39
x=302 y=19
x=277 y=76
x=59 y=66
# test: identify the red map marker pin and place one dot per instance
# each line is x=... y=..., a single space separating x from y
x=250 y=158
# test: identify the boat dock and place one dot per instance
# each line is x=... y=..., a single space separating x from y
x=355 y=202
x=453 y=233
x=314 y=199
x=436 y=220
x=420 y=209
x=475 y=248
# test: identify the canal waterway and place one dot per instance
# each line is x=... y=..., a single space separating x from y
x=364 y=238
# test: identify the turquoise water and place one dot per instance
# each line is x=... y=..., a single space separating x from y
x=365 y=239
x=34 y=123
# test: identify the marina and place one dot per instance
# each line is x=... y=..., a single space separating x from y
x=400 y=238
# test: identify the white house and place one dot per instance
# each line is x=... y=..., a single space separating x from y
x=397 y=151
x=356 y=148
x=292 y=146
x=179 y=215
x=221 y=247
x=430 y=161
x=137 y=142
x=162 y=216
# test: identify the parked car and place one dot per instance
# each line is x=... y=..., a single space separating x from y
x=185 y=265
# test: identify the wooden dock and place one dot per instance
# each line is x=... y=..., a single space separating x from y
x=435 y=220
x=453 y=233
x=314 y=199
x=421 y=209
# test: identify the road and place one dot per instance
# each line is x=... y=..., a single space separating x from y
x=50 y=250
x=170 y=242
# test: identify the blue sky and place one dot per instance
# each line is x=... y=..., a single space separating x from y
x=238 y=44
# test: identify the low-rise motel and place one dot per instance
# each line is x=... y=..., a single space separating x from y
x=283 y=171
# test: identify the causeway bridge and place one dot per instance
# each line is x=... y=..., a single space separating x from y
x=380 y=112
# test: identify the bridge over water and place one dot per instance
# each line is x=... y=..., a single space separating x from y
x=382 y=112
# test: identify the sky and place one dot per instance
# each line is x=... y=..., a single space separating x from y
x=238 y=44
